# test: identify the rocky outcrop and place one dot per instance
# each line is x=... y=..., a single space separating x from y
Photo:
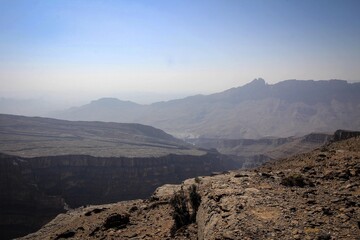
x=309 y=196
x=345 y=134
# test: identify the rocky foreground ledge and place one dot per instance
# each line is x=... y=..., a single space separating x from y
x=309 y=196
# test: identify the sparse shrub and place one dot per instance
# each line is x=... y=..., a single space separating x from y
x=117 y=221
x=195 y=200
x=295 y=180
x=324 y=236
x=181 y=213
x=197 y=180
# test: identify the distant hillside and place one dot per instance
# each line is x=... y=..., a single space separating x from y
x=34 y=137
x=253 y=152
x=255 y=110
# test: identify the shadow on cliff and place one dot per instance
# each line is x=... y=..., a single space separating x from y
x=34 y=190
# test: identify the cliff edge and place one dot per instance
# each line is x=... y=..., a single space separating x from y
x=309 y=196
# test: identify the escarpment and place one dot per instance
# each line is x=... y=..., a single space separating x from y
x=254 y=152
x=314 y=195
x=82 y=180
x=35 y=190
x=345 y=134
x=24 y=207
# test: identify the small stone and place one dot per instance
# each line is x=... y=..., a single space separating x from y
x=327 y=211
x=228 y=236
x=324 y=236
x=297 y=237
x=294 y=222
x=311 y=202
x=252 y=190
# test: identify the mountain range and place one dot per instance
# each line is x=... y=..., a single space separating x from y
x=255 y=110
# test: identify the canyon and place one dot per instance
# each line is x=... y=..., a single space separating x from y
x=49 y=166
x=312 y=195
x=35 y=190
x=60 y=165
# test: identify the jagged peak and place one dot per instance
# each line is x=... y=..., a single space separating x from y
x=257 y=81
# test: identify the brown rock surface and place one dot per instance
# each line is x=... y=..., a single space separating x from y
x=309 y=196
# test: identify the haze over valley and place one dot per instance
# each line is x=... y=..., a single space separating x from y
x=200 y=120
x=255 y=110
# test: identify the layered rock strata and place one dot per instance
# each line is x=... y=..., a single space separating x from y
x=35 y=190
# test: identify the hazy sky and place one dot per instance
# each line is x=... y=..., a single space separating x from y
x=105 y=48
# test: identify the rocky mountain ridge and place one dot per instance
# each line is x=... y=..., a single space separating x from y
x=255 y=110
x=314 y=195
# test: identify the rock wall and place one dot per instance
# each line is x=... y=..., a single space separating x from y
x=251 y=153
x=23 y=207
x=345 y=134
x=34 y=190
x=84 y=180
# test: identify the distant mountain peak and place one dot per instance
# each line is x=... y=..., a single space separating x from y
x=111 y=101
x=258 y=81
x=257 y=109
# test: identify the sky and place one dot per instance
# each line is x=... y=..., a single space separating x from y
x=143 y=50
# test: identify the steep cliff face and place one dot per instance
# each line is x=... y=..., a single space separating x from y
x=254 y=152
x=34 y=190
x=23 y=206
x=84 y=180
x=345 y=134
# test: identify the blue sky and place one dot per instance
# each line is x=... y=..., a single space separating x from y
x=107 y=48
